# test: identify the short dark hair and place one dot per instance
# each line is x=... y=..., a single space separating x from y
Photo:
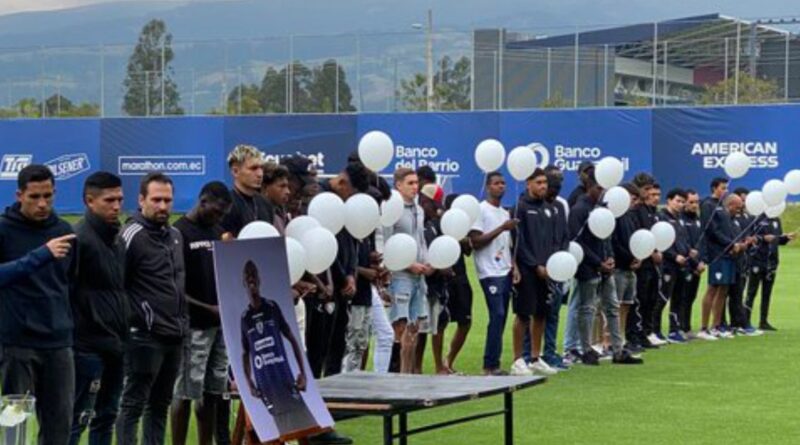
x=631 y=188
x=448 y=200
x=552 y=168
x=691 y=192
x=99 y=181
x=273 y=172
x=536 y=173
x=216 y=190
x=493 y=175
x=34 y=173
x=643 y=179
x=358 y=174
x=676 y=192
x=426 y=173
x=741 y=191
x=153 y=177
x=655 y=185
x=401 y=173
x=716 y=182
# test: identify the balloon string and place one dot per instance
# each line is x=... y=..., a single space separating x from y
x=483 y=184
x=736 y=239
x=708 y=223
x=514 y=215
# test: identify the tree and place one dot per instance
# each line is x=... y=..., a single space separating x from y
x=149 y=86
x=451 y=87
x=57 y=106
x=329 y=91
x=556 y=100
x=246 y=102
x=273 y=90
x=752 y=90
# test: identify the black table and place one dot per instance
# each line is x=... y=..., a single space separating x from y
x=389 y=395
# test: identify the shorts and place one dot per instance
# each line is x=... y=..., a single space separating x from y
x=533 y=297
x=722 y=272
x=459 y=303
x=409 y=300
x=437 y=320
x=625 y=280
x=204 y=368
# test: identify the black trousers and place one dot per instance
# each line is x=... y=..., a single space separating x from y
x=738 y=316
x=98 y=388
x=690 y=290
x=765 y=279
x=325 y=336
x=669 y=287
x=151 y=368
x=49 y=376
x=640 y=319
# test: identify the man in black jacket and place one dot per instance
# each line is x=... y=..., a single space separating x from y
x=595 y=279
x=154 y=281
x=35 y=317
x=676 y=263
x=245 y=163
x=536 y=242
x=100 y=308
x=764 y=266
x=639 y=326
x=626 y=264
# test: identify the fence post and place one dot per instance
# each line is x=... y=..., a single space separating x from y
x=786 y=69
x=102 y=80
x=575 y=69
x=655 y=61
x=736 y=74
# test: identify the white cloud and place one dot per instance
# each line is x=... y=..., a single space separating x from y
x=12 y=6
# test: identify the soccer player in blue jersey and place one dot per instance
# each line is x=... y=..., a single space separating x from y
x=266 y=363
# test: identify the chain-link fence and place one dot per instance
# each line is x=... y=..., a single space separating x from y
x=704 y=62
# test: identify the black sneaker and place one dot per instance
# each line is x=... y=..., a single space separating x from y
x=634 y=348
x=590 y=358
x=330 y=438
x=495 y=372
x=625 y=358
x=767 y=327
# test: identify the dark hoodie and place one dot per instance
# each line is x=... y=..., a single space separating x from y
x=35 y=311
x=155 y=278
x=627 y=225
x=536 y=232
x=99 y=303
x=595 y=250
x=681 y=246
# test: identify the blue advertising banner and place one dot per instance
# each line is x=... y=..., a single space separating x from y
x=186 y=149
x=444 y=141
x=690 y=144
x=70 y=147
x=325 y=139
x=568 y=138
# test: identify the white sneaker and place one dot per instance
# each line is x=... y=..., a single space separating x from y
x=520 y=368
x=705 y=335
x=725 y=334
x=540 y=367
x=654 y=340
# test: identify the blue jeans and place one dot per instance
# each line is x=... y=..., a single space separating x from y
x=98 y=387
x=572 y=340
x=551 y=326
x=497 y=291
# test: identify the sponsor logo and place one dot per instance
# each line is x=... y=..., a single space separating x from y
x=69 y=165
x=317 y=159
x=11 y=164
x=182 y=165
x=763 y=154
x=415 y=157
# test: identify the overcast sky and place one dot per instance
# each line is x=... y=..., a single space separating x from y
x=12 y=6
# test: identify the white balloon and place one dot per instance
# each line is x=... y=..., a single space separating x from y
x=489 y=155
x=618 y=200
x=296 y=256
x=754 y=203
x=602 y=222
x=774 y=192
x=521 y=163
x=328 y=209
x=470 y=205
x=642 y=244
x=609 y=172
x=298 y=226
x=792 y=181
x=736 y=164
x=392 y=209
x=664 y=234
x=561 y=266
x=321 y=248
x=443 y=252
x=376 y=150
x=776 y=211
x=362 y=215
x=577 y=251
x=399 y=252
x=258 y=229
x=455 y=223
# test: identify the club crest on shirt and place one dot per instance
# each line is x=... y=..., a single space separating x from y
x=493 y=289
x=718 y=275
x=547 y=212
x=775 y=224
x=260 y=327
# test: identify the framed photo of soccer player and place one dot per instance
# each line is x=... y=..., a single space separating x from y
x=264 y=344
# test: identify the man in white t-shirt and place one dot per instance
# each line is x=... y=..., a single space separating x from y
x=491 y=239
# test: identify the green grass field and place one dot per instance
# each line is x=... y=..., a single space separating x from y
x=743 y=390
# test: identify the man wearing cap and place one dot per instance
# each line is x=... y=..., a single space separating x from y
x=585 y=169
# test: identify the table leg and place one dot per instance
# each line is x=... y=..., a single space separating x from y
x=388 y=430
x=508 y=401
x=403 y=428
